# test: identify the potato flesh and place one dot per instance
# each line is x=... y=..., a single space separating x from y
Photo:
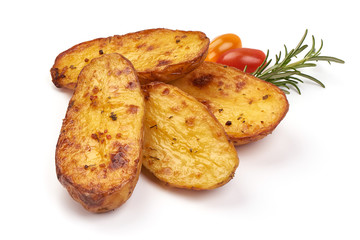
x=247 y=107
x=157 y=54
x=98 y=155
x=184 y=146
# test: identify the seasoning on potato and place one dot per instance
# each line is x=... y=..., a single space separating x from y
x=98 y=154
x=248 y=108
x=184 y=145
x=157 y=55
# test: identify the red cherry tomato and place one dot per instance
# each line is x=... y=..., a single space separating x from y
x=221 y=44
x=241 y=57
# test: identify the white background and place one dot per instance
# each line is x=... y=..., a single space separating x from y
x=301 y=182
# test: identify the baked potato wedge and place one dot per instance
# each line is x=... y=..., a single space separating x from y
x=157 y=55
x=184 y=145
x=247 y=107
x=98 y=154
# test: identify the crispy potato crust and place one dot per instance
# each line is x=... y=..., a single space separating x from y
x=98 y=154
x=157 y=55
x=248 y=108
x=184 y=145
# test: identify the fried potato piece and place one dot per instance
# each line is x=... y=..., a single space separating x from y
x=248 y=108
x=184 y=145
x=98 y=154
x=157 y=54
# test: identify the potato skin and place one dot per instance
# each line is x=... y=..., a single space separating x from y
x=157 y=55
x=248 y=108
x=184 y=144
x=99 y=150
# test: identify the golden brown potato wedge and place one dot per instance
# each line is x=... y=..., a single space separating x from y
x=157 y=54
x=98 y=154
x=184 y=145
x=247 y=107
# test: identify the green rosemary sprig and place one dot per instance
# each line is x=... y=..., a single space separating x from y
x=286 y=74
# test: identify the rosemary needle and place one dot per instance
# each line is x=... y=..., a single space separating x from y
x=285 y=74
